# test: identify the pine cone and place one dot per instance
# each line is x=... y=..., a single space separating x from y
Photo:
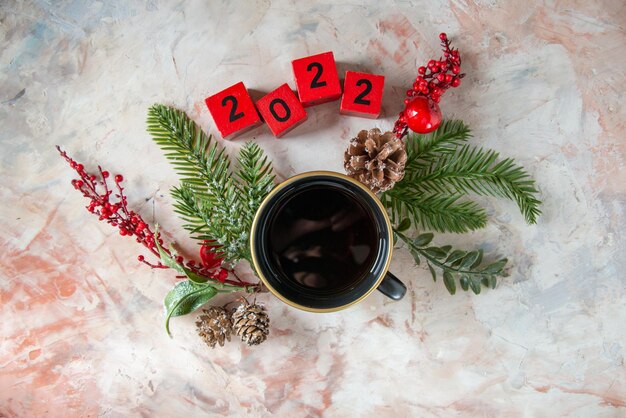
x=251 y=323
x=214 y=326
x=376 y=160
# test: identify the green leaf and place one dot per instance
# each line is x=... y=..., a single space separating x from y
x=464 y=281
x=435 y=252
x=416 y=257
x=185 y=297
x=492 y=282
x=423 y=239
x=496 y=267
x=469 y=259
x=432 y=272
x=475 y=286
x=455 y=255
x=165 y=257
x=404 y=225
x=448 y=280
x=478 y=260
x=395 y=239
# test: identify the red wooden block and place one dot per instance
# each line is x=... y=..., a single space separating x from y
x=281 y=110
x=362 y=94
x=316 y=79
x=233 y=111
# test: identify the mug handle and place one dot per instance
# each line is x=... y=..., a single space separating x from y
x=392 y=287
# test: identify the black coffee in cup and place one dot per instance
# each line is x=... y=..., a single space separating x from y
x=323 y=239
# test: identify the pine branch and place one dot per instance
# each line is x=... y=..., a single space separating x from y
x=214 y=204
x=421 y=149
x=475 y=170
x=441 y=169
x=256 y=177
x=217 y=220
x=439 y=212
x=455 y=265
x=193 y=154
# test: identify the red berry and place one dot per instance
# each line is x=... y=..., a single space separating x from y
x=92 y=177
x=421 y=70
x=406 y=101
x=179 y=259
x=423 y=115
x=456 y=69
x=448 y=78
x=105 y=174
x=119 y=178
x=431 y=63
x=210 y=258
x=222 y=275
x=140 y=257
x=456 y=82
x=441 y=77
x=80 y=167
x=79 y=184
x=443 y=36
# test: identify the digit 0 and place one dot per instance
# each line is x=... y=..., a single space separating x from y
x=286 y=110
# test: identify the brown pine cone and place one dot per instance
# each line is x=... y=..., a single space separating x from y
x=376 y=160
x=251 y=323
x=214 y=326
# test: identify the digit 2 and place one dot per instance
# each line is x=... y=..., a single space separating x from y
x=360 y=99
x=233 y=116
x=315 y=83
x=273 y=104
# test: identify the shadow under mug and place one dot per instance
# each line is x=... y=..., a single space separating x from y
x=373 y=276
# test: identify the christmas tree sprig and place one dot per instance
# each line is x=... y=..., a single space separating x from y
x=456 y=265
x=441 y=170
x=215 y=204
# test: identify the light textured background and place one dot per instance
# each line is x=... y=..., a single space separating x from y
x=81 y=319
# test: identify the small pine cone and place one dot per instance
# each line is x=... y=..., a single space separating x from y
x=214 y=326
x=251 y=323
x=376 y=160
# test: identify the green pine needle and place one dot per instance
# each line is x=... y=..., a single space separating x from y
x=437 y=212
x=214 y=204
x=441 y=168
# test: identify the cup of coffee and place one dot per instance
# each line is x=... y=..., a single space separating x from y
x=321 y=241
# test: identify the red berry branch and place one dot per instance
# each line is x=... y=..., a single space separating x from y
x=130 y=223
x=421 y=113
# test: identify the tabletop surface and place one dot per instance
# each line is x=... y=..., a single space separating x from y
x=82 y=319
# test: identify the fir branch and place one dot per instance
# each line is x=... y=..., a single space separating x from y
x=218 y=219
x=214 y=204
x=197 y=159
x=475 y=170
x=438 y=212
x=421 y=149
x=256 y=177
x=455 y=265
x=441 y=169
